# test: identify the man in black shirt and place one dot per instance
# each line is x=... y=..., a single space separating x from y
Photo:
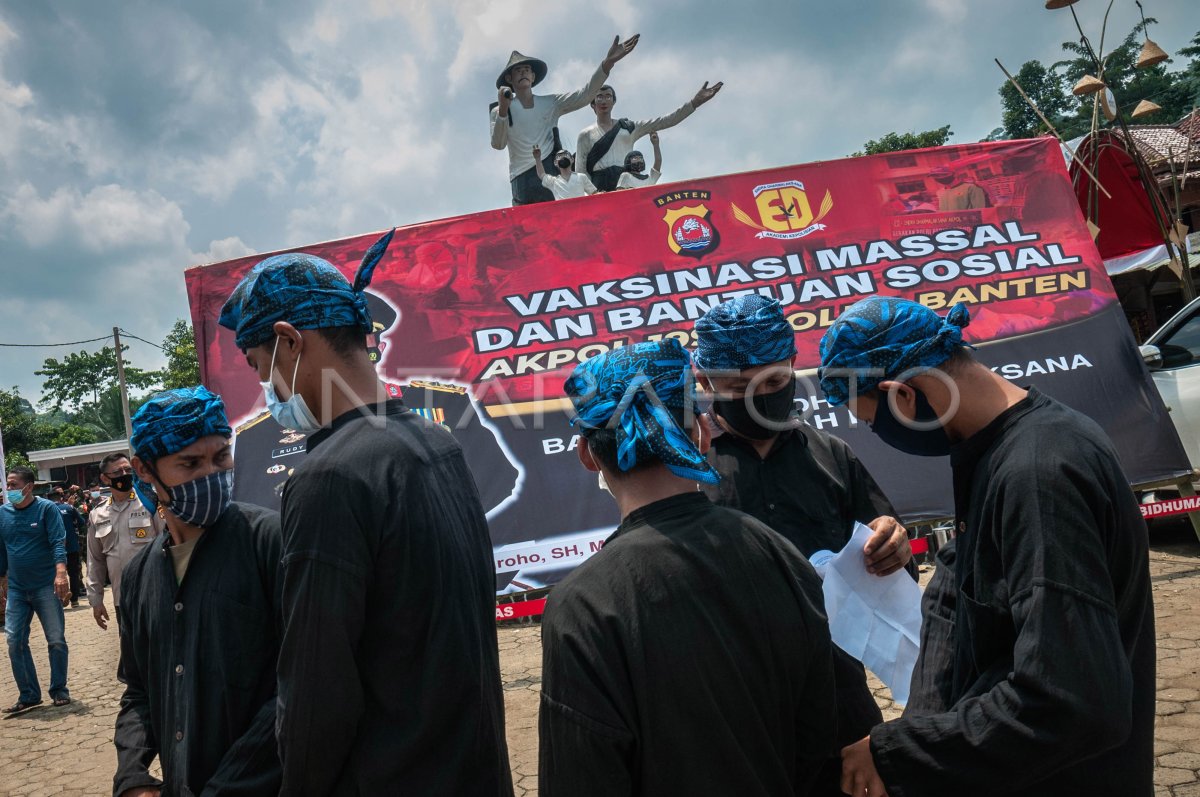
x=389 y=675
x=802 y=482
x=690 y=655
x=199 y=615
x=1048 y=688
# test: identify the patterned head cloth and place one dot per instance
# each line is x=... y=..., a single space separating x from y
x=641 y=392
x=881 y=337
x=171 y=421
x=303 y=290
x=744 y=332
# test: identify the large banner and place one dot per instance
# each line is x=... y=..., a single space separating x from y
x=478 y=319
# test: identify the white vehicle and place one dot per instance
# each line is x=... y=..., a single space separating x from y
x=1173 y=356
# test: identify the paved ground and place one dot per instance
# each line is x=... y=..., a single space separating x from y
x=69 y=751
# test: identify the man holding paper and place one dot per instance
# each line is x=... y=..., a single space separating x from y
x=804 y=483
x=1051 y=669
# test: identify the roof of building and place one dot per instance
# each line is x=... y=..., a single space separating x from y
x=1161 y=143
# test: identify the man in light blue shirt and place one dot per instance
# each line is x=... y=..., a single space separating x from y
x=33 y=576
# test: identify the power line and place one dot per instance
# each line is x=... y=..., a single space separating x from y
x=51 y=345
x=129 y=334
x=126 y=333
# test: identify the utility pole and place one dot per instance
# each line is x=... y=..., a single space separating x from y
x=121 y=378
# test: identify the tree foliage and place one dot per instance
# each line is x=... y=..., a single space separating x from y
x=895 y=142
x=86 y=376
x=72 y=434
x=22 y=430
x=1177 y=92
x=183 y=368
x=1044 y=87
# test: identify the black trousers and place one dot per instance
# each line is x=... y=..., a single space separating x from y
x=75 y=573
x=527 y=189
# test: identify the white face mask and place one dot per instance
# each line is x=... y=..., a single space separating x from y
x=293 y=413
x=603 y=483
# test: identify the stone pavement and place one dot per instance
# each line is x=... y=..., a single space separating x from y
x=68 y=751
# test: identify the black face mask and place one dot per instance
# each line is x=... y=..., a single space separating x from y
x=773 y=408
x=637 y=167
x=122 y=483
x=563 y=163
x=902 y=437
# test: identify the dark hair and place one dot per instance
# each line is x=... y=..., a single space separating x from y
x=23 y=472
x=607 y=88
x=959 y=359
x=603 y=445
x=345 y=341
x=110 y=459
x=602 y=442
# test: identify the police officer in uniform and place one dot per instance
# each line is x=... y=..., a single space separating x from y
x=118 y=527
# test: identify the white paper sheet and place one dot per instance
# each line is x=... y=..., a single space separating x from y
x=876 y=620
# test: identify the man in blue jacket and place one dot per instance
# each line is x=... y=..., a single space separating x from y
x=33 y=578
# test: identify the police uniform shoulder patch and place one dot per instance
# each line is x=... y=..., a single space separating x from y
x=438 y=386
x=252 y=422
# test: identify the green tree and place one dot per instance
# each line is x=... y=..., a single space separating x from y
x=1129 y=84
x=1189 y=79
x=1045 y=88
x=71 y=434
x=22 y=430
x=83 y=376
x=183 y=368
x=895 y=142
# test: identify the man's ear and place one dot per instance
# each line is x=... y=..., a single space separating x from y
x=905 y=396
x=143 y=472
x=585 y=455
x=291 y=337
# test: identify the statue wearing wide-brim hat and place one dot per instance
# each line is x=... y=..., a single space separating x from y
x=517 y=59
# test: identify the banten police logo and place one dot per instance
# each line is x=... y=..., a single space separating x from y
x=690 y=231
x=784 y=211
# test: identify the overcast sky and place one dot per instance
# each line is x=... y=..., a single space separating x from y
x=140 y=138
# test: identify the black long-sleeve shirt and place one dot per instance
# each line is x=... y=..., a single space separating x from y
x=811 y=489
x=198 y=659
x=1051 y=686
x=389 y=675
x=690 y=655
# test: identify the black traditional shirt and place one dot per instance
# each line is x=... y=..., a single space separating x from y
x=811 y=489
x=389 y=675
x=1051 y=687
x=199 y=662
x=690 y=655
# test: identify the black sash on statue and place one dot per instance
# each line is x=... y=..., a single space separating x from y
x=601 y=147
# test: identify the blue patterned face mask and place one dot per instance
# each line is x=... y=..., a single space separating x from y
x=293 y=413
x=201 y=501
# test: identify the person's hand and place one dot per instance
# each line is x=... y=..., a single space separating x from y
x=62 y=587
x=537 y=152
x=706 y=93
x=142 y=791
x=505 y=96
x=888 y=549
x=654 y=138
x=619 y=50
x=101 y=615
x=859 y=776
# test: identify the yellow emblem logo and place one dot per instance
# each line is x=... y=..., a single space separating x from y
x=784 y=211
